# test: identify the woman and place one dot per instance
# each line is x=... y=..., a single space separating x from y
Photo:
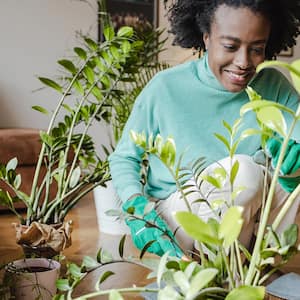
x=189 y=102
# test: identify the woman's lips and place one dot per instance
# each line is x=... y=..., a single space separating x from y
x=239 y=77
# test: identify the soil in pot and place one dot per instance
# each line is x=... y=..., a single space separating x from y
x=32 y=278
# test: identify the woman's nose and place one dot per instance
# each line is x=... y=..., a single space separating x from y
x=242 y=59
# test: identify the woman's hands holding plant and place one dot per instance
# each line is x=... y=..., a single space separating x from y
x=147 y=228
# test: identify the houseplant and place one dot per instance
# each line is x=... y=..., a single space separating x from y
x=230 y=271
x=68 y=160
x=143 y=68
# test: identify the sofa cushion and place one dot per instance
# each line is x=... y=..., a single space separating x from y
x=23 y=143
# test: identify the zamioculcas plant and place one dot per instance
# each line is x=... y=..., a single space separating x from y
x=87 y=92
x=226 y=269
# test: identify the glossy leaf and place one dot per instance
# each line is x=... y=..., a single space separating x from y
x=223 y=140
x=12 y=164
x=231 y=225
x=80 y=52
x=182 y=281
x=108 y=33
x=196 y=228
x=234 y=171
x=272 y=118
x=200 y=280
x=68 y=65
x=40 y=109
x=296 y=75
x=125 y=31
x=63 y=285
x=247 y=293
x=89 y=262
x=89 y=73
x=51 y=83
x=75 y=177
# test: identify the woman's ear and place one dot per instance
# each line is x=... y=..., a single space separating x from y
x=206 y=40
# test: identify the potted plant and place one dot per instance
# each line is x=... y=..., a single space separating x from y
x=68 y=160
x=228 y=270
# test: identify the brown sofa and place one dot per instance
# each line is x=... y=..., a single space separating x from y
x=24 y=144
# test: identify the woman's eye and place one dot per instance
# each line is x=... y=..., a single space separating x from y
x=258 y=50
x=229 y=47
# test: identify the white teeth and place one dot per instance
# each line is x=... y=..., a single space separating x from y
x=238 y=76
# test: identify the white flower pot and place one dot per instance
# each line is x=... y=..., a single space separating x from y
x=107 y=199
x=38 y=282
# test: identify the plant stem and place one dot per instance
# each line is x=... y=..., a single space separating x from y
x=263 y=222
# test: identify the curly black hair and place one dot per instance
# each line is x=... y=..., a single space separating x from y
x=189 y=19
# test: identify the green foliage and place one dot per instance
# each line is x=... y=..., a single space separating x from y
x=99 y=84
x=226 y=270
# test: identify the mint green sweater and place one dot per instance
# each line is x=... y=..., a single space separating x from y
x=187 y=103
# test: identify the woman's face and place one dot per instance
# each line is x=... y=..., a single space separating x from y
x=236 y=45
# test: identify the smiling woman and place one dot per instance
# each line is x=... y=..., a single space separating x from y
x=189 y=102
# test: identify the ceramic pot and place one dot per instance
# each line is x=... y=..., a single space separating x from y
x=106 y=199
x=32 y=278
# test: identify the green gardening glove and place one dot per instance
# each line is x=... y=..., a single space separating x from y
x=142 y=233
x=290 y=173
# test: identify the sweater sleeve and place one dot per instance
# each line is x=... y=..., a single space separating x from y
x=125 y=161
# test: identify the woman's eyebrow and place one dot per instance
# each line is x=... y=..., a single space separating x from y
x=237 y=40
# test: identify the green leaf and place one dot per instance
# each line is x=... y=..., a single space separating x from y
x=234 y=171
x=200 y=280
x=80 y=52
x=168 y=293
x=75 y=271
x=196 y=228
x=247 y=293
x=40 y=109
x=223 y=140
x=51 y=84
x=63 y=285
x=296 y=75
x=256 y=105
x=290 y=236
x=115 y=295
x=12 y=164
x=125 y=31
x=78 y=87
x=108 y=33
x=115 y=52
x=89 y=262
x=17 y=182
x=89 y=73
x=92 y=44
x=126 y=46
x=272 y=118
x=68 y=65
x=121 y=245
x=212 y=180
x=105 y=275
x=182 y=281
x=231 y=225
x=161 y=268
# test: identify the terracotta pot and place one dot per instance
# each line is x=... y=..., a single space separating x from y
x=32 y=278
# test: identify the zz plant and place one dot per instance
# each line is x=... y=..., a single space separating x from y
x=226 y=269
x=91 y=83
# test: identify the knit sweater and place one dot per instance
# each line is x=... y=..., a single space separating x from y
x=187 y=103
